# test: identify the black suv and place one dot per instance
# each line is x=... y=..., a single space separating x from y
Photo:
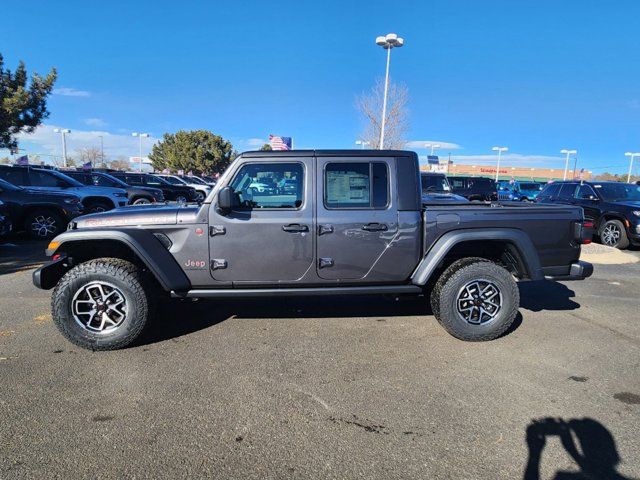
x=475 y=188
x=136 y=195
x=42 y=214
x=437 y=189
x=175 y=193
x=613 y=207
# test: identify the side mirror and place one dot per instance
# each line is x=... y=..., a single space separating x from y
x=226 y=197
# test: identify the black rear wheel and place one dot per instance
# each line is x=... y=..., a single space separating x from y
x=475 y=299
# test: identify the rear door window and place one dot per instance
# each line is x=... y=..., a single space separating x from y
x=550 y=191
x=585 y=192
x=45 y=179
x=16 y=176
x=359 y=185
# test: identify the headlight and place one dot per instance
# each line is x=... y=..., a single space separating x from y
x=72 y=201
x=120 y=194
x=636 y=213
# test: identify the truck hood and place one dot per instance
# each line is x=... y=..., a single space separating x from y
x=133 y=216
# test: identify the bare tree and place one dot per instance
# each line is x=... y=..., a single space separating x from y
x=121 y=163
x=92 y=154
x=397 y=124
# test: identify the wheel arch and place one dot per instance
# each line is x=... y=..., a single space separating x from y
x=136 y=245
x=509 y=247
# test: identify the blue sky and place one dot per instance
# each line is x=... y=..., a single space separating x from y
x=535 y=76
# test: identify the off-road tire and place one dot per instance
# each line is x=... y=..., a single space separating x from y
x=623 y=240
x=445 y=294
x=124 y=275
x=37 y=216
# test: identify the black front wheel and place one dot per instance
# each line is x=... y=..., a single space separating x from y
x=98 y=207
x=475 y=300
x=102 y=304
x=44 y=224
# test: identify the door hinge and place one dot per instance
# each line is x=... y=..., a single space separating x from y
x=325 y=262
x=218 y=264
x=217 y=230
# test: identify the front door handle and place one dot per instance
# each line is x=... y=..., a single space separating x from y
x=375 y=227
x=295 y=228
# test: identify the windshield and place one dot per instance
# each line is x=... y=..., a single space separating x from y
x=435 y=183
x=536 y=187
x=615 y=192
x=173 y=180
x=9 y=187
x=195 y=180
x=66 y=178
x=154 y=180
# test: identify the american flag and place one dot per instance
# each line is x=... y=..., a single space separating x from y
x=280 y=143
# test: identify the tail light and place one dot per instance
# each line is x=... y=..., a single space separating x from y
x=586 y=232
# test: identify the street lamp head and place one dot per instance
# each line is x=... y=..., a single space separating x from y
x=61 y=130
x=135 y=134
x=437 y=145
x=390 y=40
x=500 y=149
x=569 y=152
x=145 y=135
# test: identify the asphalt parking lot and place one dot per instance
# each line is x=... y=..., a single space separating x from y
x=326 y=388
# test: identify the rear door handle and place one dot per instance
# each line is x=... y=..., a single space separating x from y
x=375 y=227
x=295 y=228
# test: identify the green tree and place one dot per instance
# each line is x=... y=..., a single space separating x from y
x=266 y=148
x=23 y=103
x=197 y=150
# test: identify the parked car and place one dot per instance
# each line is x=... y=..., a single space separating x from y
x=518 y=191
x=94 y=199
x=173 y=193
x=209 y=180
x=135 y=195
x=5 y=221
x=613 y=207
x=475 y=188
x=436 y=189
x=42 y=214
x=201 y=188
x=354 y=226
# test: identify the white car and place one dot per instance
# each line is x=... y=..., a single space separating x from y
x=202 y=190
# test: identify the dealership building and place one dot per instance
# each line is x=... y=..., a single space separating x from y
x=506 y=172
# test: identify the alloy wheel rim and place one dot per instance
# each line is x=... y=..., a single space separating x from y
x=611 y=235
x=99 y=307
x=44 y=226
x=478 y=302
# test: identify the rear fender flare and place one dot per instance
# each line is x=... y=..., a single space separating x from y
x=446 y=242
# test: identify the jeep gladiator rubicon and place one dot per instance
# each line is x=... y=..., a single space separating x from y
x=350 y=223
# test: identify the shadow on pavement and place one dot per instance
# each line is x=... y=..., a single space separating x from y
x=546 y=295
x=588 y=442
x=19 y=253
x=177 y=318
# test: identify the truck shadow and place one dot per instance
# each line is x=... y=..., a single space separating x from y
x=546 y=295
x=176 y=318
x=589 y=444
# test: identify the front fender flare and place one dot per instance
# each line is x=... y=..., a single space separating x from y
x=446 y=242
x=141 y=242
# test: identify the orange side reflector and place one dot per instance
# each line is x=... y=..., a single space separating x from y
x=53 y=245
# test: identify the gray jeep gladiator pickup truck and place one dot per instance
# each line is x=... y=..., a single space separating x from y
x=309 y=223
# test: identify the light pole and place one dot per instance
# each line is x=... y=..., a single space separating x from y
x=101 y=149
x=433 y=147
x=63 y=132
x=387 y=42
x=631 y=157
x=499 y=150
x=140 y=135
x=568 y=153
x=362 y=143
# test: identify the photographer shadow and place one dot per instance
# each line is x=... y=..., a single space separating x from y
x=546 y=295
x=597 y=456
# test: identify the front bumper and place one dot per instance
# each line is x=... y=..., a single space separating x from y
x=46 y=277
x=576 y=271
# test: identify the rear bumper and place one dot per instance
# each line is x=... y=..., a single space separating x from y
x=576 y=271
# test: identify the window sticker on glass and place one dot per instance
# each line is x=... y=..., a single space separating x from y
x=347 y=185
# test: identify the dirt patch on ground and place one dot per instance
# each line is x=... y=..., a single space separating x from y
x=596 y=253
